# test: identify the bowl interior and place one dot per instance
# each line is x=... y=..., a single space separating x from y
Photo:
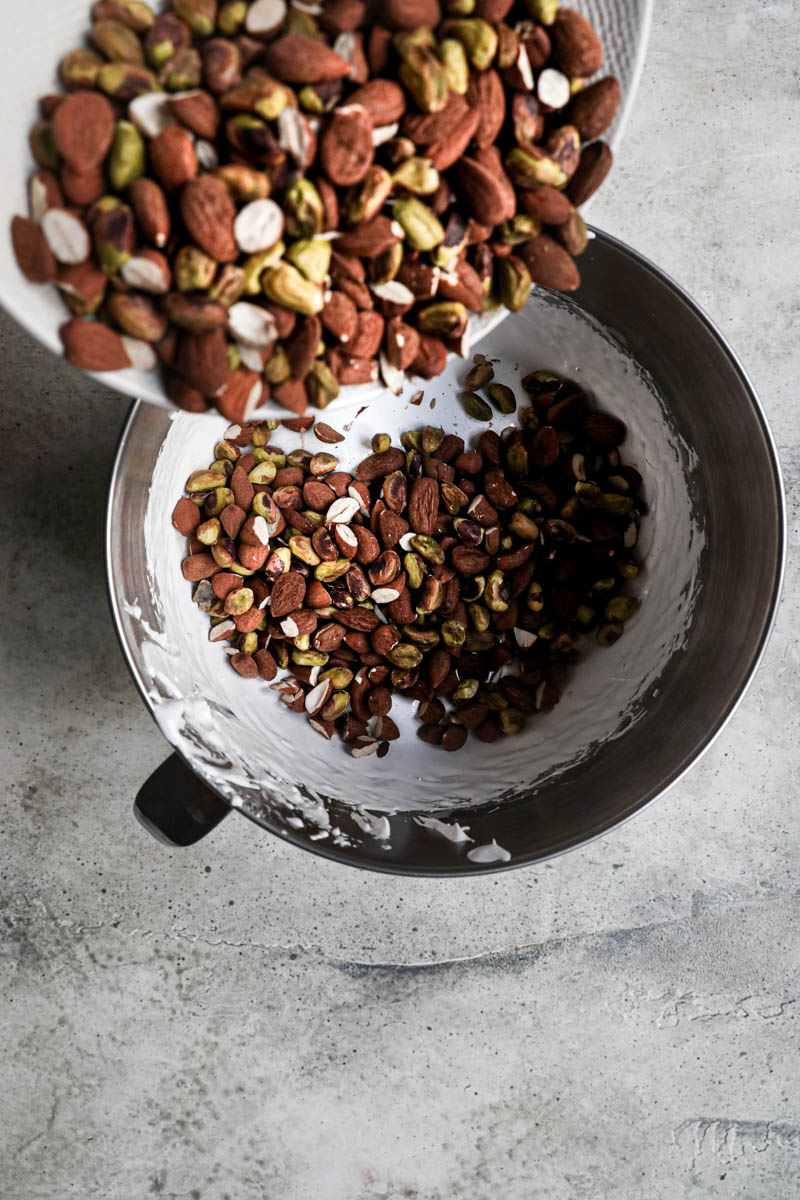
x=39 y=36
x=633 y=717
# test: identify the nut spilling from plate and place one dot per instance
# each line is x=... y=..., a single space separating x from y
x=275 y=201
x=450 y=575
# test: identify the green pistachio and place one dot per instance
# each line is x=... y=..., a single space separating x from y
x=43 y=146
x=415 y=569
x=511 y=721
x=322 y=385
x=327 y=572
x=497 y=596
x=209 y=532
x=117 y=42
x=312 y=256
x=466 y=690
x=531 y=171
x=534 y=599
x=199 y=15
x=285 y=285
x=408 y=39
x=229 y=285
x=475 y=406
x=519 y=229
x=193 y=269
x=585 y=614
x=231 y=17
x=308 y=658
x=619 y=608
x=303 y=209
x=609 y=633
x=513 y=282
x=453 y=634
x=301 y=548
x=425 y=78
x=417 y=175
x=480 y=617
x=428 y=547
x=255 y=266
x=277 y=369
x=310 y=100
x=80 y=68
x=542 y=10
x=183 y=72
x=456 y=66
x=479 y=374
x=262 y=472
x=422 y=227
x=405 y=656
x=382 y=268
x=445 y=318
x=479 y=40
x=220 y=498
x=125 y=81
x=502 y=397
x=365 y=200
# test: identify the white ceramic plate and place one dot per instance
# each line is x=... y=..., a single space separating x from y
x=42 y=32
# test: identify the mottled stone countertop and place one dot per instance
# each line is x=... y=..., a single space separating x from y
x=243 y=1020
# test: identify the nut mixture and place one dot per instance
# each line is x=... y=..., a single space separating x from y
x=274 y=201
x=458 y=577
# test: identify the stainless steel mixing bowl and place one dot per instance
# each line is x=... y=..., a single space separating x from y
x=736 y=487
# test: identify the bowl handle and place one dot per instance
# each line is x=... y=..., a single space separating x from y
x=177 y=807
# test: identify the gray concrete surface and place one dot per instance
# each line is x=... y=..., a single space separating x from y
x=242 y=1020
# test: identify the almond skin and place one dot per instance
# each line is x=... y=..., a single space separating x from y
x=488 y=192
x=93 y=346
x=83 y=129
x=410 y=14
x=549 y=264
x=575 y=43
x=202 y=360
x=151 y=210
x=208 y=213
x=446 y=151
x=595 y=163
x=384 y=100
x=198 y=111
x=34 y=257
x=592 y=110
x=295 y=58
x=546 y=204
x=241 y=395
x=346 y=151
x=172 y=157
x=487 y=95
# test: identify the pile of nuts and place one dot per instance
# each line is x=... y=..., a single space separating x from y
x=274 y=200
x=449 y=575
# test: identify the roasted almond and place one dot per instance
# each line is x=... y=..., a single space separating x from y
x=383 y=99
x=593 y=109
x=208 y=213
x=93 y=346
x=549 y=264
x=575 y=43
x=296 y=58
x=34 y=257
x=595 y=163
x=173 y=157
x=83 y=129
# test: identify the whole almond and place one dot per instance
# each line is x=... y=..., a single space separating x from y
x=363 y=619
x=546 y=204
x=410 y=14
x=595 y=163
x=549 y=264
x=575 y=43
x=345 y=149
x=151 y=210
x=424 y=128
x=295 y=58
x=93 y=346
x=423 y=505
x=469 y=561
x=592 y=110
x=83 y=129
x=432 y=357
x=82 y=187
x=487 y=95
x=377 y=466
x=185 y=516
x=446 y=151
x=487 y=190
x=198 y=566
x=34 y=257
x=292 y=395
x=208 y=213
x=340 y=317
x=241 y=395
x=370 y=237
x=173 y=157
x=463 y=285
x=198 y=111
x=328 y=435
x=384 y=100
x=202 y=360
x=182 y=394
x=288 y=593
x=368 y=335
